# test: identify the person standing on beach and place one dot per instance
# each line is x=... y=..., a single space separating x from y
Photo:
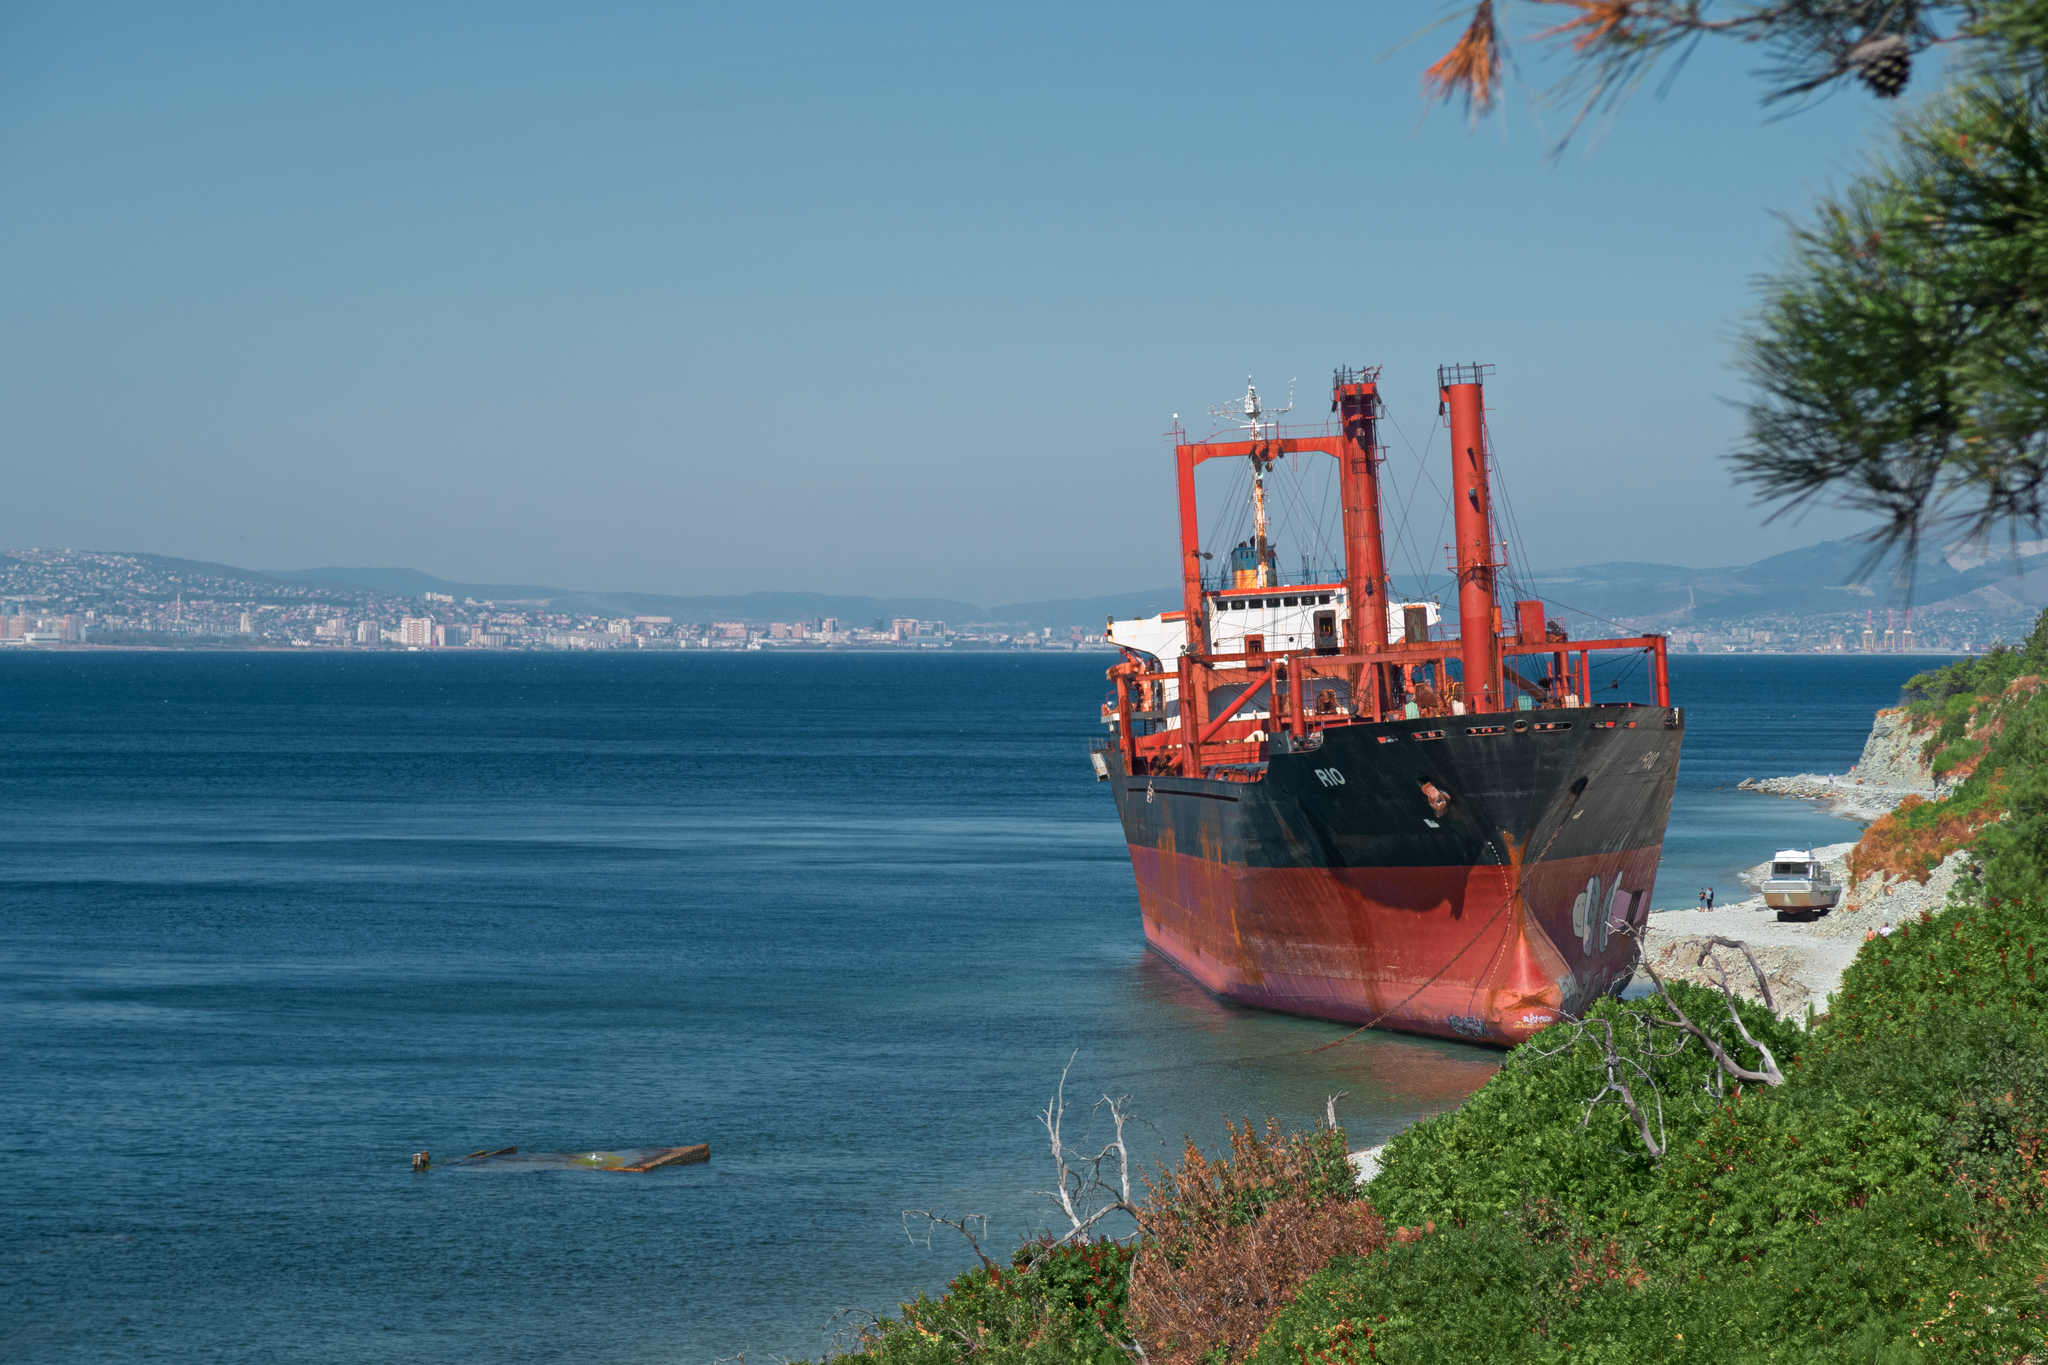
x=1710 y=898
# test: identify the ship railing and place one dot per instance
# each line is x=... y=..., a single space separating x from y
x=1328 y=577
x=1380 y=685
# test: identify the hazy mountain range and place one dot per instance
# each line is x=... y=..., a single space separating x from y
x=1815 y=580
x=2009 y=585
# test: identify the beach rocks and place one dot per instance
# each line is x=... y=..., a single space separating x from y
x=1366 y=1162
x=1845 y=794
x=1802 y=959
x=1878 y=900
x=1677 y=958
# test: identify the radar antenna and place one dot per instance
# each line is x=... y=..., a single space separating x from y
x=1250 y=414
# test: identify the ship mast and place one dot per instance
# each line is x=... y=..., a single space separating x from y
x=1259 y=468
x=1462 y=395
x=1355 y=395
x=1250 y=413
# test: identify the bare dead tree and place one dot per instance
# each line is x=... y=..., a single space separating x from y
x=1628 y=1063
x=1763 y=985
x=1083 y=1194
x=959 y=1225
x=1770 y=1075
x=1623 y=1073
x=1330 y=1106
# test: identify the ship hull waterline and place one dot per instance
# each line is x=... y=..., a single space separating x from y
x=1412 y=875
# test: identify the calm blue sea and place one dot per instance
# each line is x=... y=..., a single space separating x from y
x=271 y=923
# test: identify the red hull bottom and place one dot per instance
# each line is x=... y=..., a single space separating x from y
x=1455 y=952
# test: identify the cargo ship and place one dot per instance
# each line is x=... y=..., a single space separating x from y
x=1338 y=804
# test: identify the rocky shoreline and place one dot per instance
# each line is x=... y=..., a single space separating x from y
x=1804 y=960
x=1889 y=771
x=1850 y=797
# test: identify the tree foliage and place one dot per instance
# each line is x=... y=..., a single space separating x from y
x=1900 y=362
x=1609 y=46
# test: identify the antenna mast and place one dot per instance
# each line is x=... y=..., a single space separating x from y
x=1250 y=413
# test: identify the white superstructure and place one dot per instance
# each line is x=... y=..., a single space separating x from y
x=1283 y=618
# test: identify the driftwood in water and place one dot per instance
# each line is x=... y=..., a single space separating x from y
x=673 y=1156
x=502 y=1151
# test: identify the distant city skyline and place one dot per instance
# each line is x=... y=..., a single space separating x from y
x=1803 y=599
x=897 y=301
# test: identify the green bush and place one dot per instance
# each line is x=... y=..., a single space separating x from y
x=1885 y=1203
x=1901 y=1278
x=1527 y=1132
x=1978 y=961
x=1060 y=1305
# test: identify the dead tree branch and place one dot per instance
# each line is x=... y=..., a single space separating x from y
x=1619 y=1068
x=1770 y=1075
x=1330 y=1106
x=1763 y=986
x=932 y=1220
x=1084 y=1195
x=1628 y=1074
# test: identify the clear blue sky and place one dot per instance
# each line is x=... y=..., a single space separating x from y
x=889 y=299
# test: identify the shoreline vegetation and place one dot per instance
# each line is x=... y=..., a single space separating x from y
x=1826 y=1143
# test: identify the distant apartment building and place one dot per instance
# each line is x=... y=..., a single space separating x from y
x=334 y=628
x=448 y=637
x=416 y=632
x=830 y=625
x=367 y=633
x=248 y=624
x=731 y=630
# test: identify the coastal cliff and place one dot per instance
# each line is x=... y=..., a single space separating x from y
x=1895 y=753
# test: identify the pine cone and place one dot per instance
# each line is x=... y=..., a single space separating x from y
x=1883 y=63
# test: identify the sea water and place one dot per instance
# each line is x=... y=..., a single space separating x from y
x=271 y=923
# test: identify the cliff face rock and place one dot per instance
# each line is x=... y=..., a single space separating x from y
x=1891 y=756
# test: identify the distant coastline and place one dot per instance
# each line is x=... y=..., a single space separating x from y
x=1781 y=605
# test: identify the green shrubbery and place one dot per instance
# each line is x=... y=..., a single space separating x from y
x=1060 y=1305
x=1527 y=1133
x=1888 y=1202
x=1885 y=1203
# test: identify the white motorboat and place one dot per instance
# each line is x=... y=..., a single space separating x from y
x=1800 y=884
